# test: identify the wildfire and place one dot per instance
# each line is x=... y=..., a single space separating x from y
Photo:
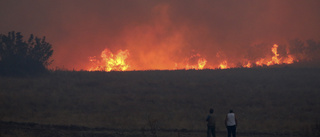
x=117 y=62
x=248 y=65
x=289 y=60
x=275 y=58
x=201 y=63
x=110 y=62
x=194 y=62
x=223 y=65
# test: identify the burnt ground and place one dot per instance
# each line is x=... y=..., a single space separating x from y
x=21 y=129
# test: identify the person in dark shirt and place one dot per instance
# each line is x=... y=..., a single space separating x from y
x=211 y=124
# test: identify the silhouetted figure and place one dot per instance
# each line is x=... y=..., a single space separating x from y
x=211 y=124
x=231 y=123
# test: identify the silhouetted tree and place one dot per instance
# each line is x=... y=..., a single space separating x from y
x=19 y=57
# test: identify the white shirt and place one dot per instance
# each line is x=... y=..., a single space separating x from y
x=231 y=119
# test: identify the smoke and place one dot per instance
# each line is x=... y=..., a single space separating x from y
x=305 y=50
x=160 y=34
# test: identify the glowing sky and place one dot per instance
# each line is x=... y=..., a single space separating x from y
x=160 y=33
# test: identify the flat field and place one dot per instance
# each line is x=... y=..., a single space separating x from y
x=267 y=102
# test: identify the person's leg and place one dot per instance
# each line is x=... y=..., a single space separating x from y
x=213 y=131
x=234 y=131
x=229 y=131
x=208 y=132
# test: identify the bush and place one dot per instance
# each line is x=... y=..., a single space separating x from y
x=19 y=57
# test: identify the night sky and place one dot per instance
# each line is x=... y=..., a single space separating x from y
x=160 y=33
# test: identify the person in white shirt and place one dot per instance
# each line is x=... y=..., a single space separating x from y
x=231 y=123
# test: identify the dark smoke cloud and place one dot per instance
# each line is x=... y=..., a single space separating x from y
x=217 y=29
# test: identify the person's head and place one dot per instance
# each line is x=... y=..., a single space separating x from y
x=231 y=111
x=211 y=110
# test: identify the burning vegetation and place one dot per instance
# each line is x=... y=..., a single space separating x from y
x=110 y=61
x=161 y=44
x=118 y=61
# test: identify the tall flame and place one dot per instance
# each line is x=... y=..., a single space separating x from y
x=110 y=62
x=275 y=58
x=201 y=63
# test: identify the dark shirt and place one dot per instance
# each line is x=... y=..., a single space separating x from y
x=211 y=120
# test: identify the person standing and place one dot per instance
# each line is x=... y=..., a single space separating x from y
x=211 y=124
x=231 y=123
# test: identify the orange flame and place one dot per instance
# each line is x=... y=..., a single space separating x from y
x=117 y=62
x=110 y=62
x=223 y=65
x=275 y=58
x=260 y=62
x=289 y=60
x=200 y=63
x=248 y=65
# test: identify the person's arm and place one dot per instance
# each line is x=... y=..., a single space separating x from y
x=208 y=118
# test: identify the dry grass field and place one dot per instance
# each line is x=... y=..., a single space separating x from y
x=267 y=101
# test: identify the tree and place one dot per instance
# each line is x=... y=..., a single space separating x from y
x=19 y=57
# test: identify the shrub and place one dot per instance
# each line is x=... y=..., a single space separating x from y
x=19 y=57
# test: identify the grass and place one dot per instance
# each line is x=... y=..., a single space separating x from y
x=271 y=100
